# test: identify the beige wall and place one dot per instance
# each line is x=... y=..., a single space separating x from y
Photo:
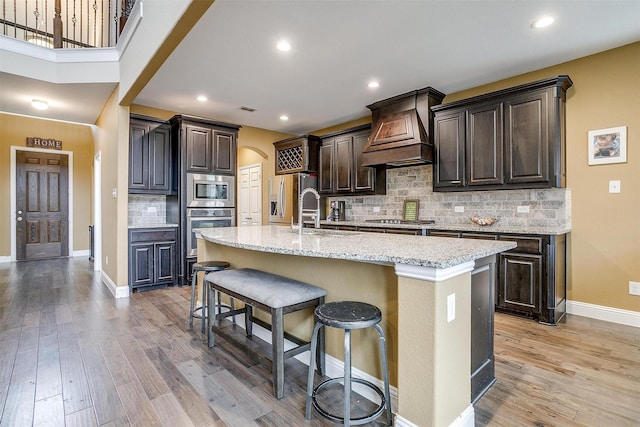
x=603 y=247
x=75 y=138
x=112 y=141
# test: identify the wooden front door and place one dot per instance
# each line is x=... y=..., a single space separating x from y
x=42 y=205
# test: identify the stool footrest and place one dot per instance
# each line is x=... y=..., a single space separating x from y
x=352 y=421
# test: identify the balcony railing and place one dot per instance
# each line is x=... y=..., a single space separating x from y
x=65 y=23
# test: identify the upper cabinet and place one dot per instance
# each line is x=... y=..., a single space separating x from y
x=340 y=167
x=297 y=154
x=510 y=139
x=152 y=156
x=208 y=147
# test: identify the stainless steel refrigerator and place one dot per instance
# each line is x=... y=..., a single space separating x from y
x=284 y=193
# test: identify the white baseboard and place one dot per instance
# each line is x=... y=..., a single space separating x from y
x=4 y=259
x=85 y=252
x=466 y=419
x=116 y=291
x=600 y=312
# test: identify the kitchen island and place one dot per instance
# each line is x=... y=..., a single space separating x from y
x=421 y=284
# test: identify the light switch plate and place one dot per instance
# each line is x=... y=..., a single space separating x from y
x=634 y=288
x=614 y=186
x=451 y=307
x=459 y=209
x=523 y=209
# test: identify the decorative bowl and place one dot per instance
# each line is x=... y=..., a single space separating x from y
x=487 y=220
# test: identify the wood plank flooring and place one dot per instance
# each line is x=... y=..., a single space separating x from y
x=72 y=355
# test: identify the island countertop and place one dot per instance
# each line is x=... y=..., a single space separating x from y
x=432 y=252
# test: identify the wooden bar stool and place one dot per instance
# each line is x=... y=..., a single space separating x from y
x=349 y=315
x=201 y=312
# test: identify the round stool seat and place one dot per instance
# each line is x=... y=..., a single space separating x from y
x=210 y=265
x=348 y=314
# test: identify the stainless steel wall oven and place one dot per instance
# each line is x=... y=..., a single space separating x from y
x=206 y=218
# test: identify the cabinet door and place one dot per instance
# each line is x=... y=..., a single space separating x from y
x=449 y=146
x=343 y=164
x=325 y=186
x=165 y=262
x=363 y=177
x=526 y=137
x=484 y=145
x=224 y=153
x=141 y=265
x=199 y=149
x=160 y=159
x=520 y=282
x=138 y=156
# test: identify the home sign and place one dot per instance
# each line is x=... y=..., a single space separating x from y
x=52 y=144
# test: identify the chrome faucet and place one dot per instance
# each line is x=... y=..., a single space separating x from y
x=313 y=213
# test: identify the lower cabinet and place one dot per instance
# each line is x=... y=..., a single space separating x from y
x=531 y=279
x=152 y=258
x=482 y=297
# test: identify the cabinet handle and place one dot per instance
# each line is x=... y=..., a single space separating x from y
x=456 y=182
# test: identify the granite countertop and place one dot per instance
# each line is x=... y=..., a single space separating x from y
x=433 y=252
x=497 y=228
x=152 y=225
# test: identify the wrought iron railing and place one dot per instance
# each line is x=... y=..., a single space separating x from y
x=65 y=23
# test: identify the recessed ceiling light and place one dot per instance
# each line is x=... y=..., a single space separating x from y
x=284 y=118
x=283 y=46
x=39 y=104
x=202 y=98
x=373 y=84
x=543 y=22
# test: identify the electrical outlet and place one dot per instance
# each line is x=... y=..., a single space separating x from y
x=634 y=288
x=523 y=209
x=614 y=186
x=459 y=209
x=451 y=307
x=376 y=209
x=151 y=209
x=106 y=259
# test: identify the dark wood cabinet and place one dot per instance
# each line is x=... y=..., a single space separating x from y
x=340 y=167
x=509 y=139
x=531 y=280
x=483 y=283
x=297 y=154
x=208 y=147
x=152 y=258
x=152 y=156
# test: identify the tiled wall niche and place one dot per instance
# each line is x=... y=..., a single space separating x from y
x=147 y=209
x=547 y=207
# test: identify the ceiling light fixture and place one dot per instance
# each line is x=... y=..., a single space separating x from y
x=39 y=104
x=202 y=98
x=283 y=46
x=284 y=118
x=373 y=84
x=543 y=22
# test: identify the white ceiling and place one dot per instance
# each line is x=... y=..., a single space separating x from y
x=338 y=46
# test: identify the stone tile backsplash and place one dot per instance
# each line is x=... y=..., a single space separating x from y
x=547 y=207
x=147 y=209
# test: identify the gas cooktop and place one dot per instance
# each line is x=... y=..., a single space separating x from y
x=401 y=221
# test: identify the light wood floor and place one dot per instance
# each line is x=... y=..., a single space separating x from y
x=71 y=354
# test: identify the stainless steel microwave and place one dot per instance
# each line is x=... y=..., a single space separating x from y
x=210 y=191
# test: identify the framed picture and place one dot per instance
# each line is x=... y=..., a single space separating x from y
x=410 y=210
x=608 y=146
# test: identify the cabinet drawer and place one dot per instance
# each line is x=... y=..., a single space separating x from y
x=480 y=236
x=152 y=235
x=443 y=233
x=532 y=245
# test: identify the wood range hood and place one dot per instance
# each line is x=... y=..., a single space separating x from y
x=401 y=130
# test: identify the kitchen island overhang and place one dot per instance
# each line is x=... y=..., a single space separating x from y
x=411 y=279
